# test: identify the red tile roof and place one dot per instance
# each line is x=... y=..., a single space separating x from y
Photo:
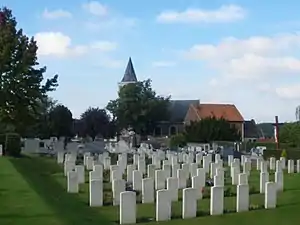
x=227 y=111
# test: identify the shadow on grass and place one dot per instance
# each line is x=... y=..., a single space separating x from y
x=68 y=207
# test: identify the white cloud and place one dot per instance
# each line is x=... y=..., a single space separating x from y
x=163 y=64
x=59 y=44
x=289 y=92
x=232 y=47
x=256 y=57
x=95 y=8
x=261 y=69
x=56 y=14
x=226 y=13
x=120 y=23
x=104 y=46
x=111 y=63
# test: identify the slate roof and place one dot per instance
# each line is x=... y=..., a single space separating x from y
x=227 y=111
x=129 y=75
x=251 y=130
x=179 y=108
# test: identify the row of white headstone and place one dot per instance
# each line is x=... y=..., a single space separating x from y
x=174 y=181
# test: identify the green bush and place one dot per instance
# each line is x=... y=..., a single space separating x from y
x=11 y=144
x=178 y=140
x=290 y=154
x=283 y=153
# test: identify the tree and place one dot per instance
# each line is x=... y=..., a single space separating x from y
x=289 y=133
x=41 y=128
x=211 y=129
x=21 y=81
x=95 y=122
x=61 y=121
x=139 y=107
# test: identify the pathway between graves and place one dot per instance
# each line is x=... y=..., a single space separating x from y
x=29 y=194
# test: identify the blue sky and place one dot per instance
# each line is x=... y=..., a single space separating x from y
x=240 y=52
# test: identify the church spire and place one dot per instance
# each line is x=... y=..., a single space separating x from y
x=129 y=75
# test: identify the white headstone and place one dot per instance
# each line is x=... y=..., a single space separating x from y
x=216 y=201
x=128 y=207
x=118 y=186
x=147 y=190
x=163 y=205
x=96 y=193
x=270 y=195
x=80 y=173
x=242 y=198
x=72 y=182
x=189 y=203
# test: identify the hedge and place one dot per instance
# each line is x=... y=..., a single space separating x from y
x=291 y=154
x=11 y=144
x=270 y=145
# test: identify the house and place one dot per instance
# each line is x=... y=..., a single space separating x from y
x=227 y=111
x=252 y=132
x=178 y=108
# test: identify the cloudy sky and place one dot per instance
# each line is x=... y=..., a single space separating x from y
x=244 y=52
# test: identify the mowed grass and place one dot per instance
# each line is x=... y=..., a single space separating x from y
x=33 y=190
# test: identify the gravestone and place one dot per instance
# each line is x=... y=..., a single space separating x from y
x=96 y=193
x=127 y=207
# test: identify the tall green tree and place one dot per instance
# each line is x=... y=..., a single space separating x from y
x=139 y=107
x=95 y=121
x=61 y=121
x=22 y=84
x=289 y=133
x=211 y=129
x=41 y=128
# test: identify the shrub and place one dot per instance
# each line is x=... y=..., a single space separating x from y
x=178 y=140
x=11 y=144
x=283 y=153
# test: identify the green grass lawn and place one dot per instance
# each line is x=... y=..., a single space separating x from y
x=33 y=191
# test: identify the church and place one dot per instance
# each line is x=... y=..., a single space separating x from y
x=184 y=111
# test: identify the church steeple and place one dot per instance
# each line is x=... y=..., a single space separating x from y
x=129 y=75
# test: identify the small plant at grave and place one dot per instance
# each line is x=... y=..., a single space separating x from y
x=226 y=211
x=284 y=153
x=228 y=192
x=205 y=192
x=252 y=190
x=106 y=176
x=255 y=207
